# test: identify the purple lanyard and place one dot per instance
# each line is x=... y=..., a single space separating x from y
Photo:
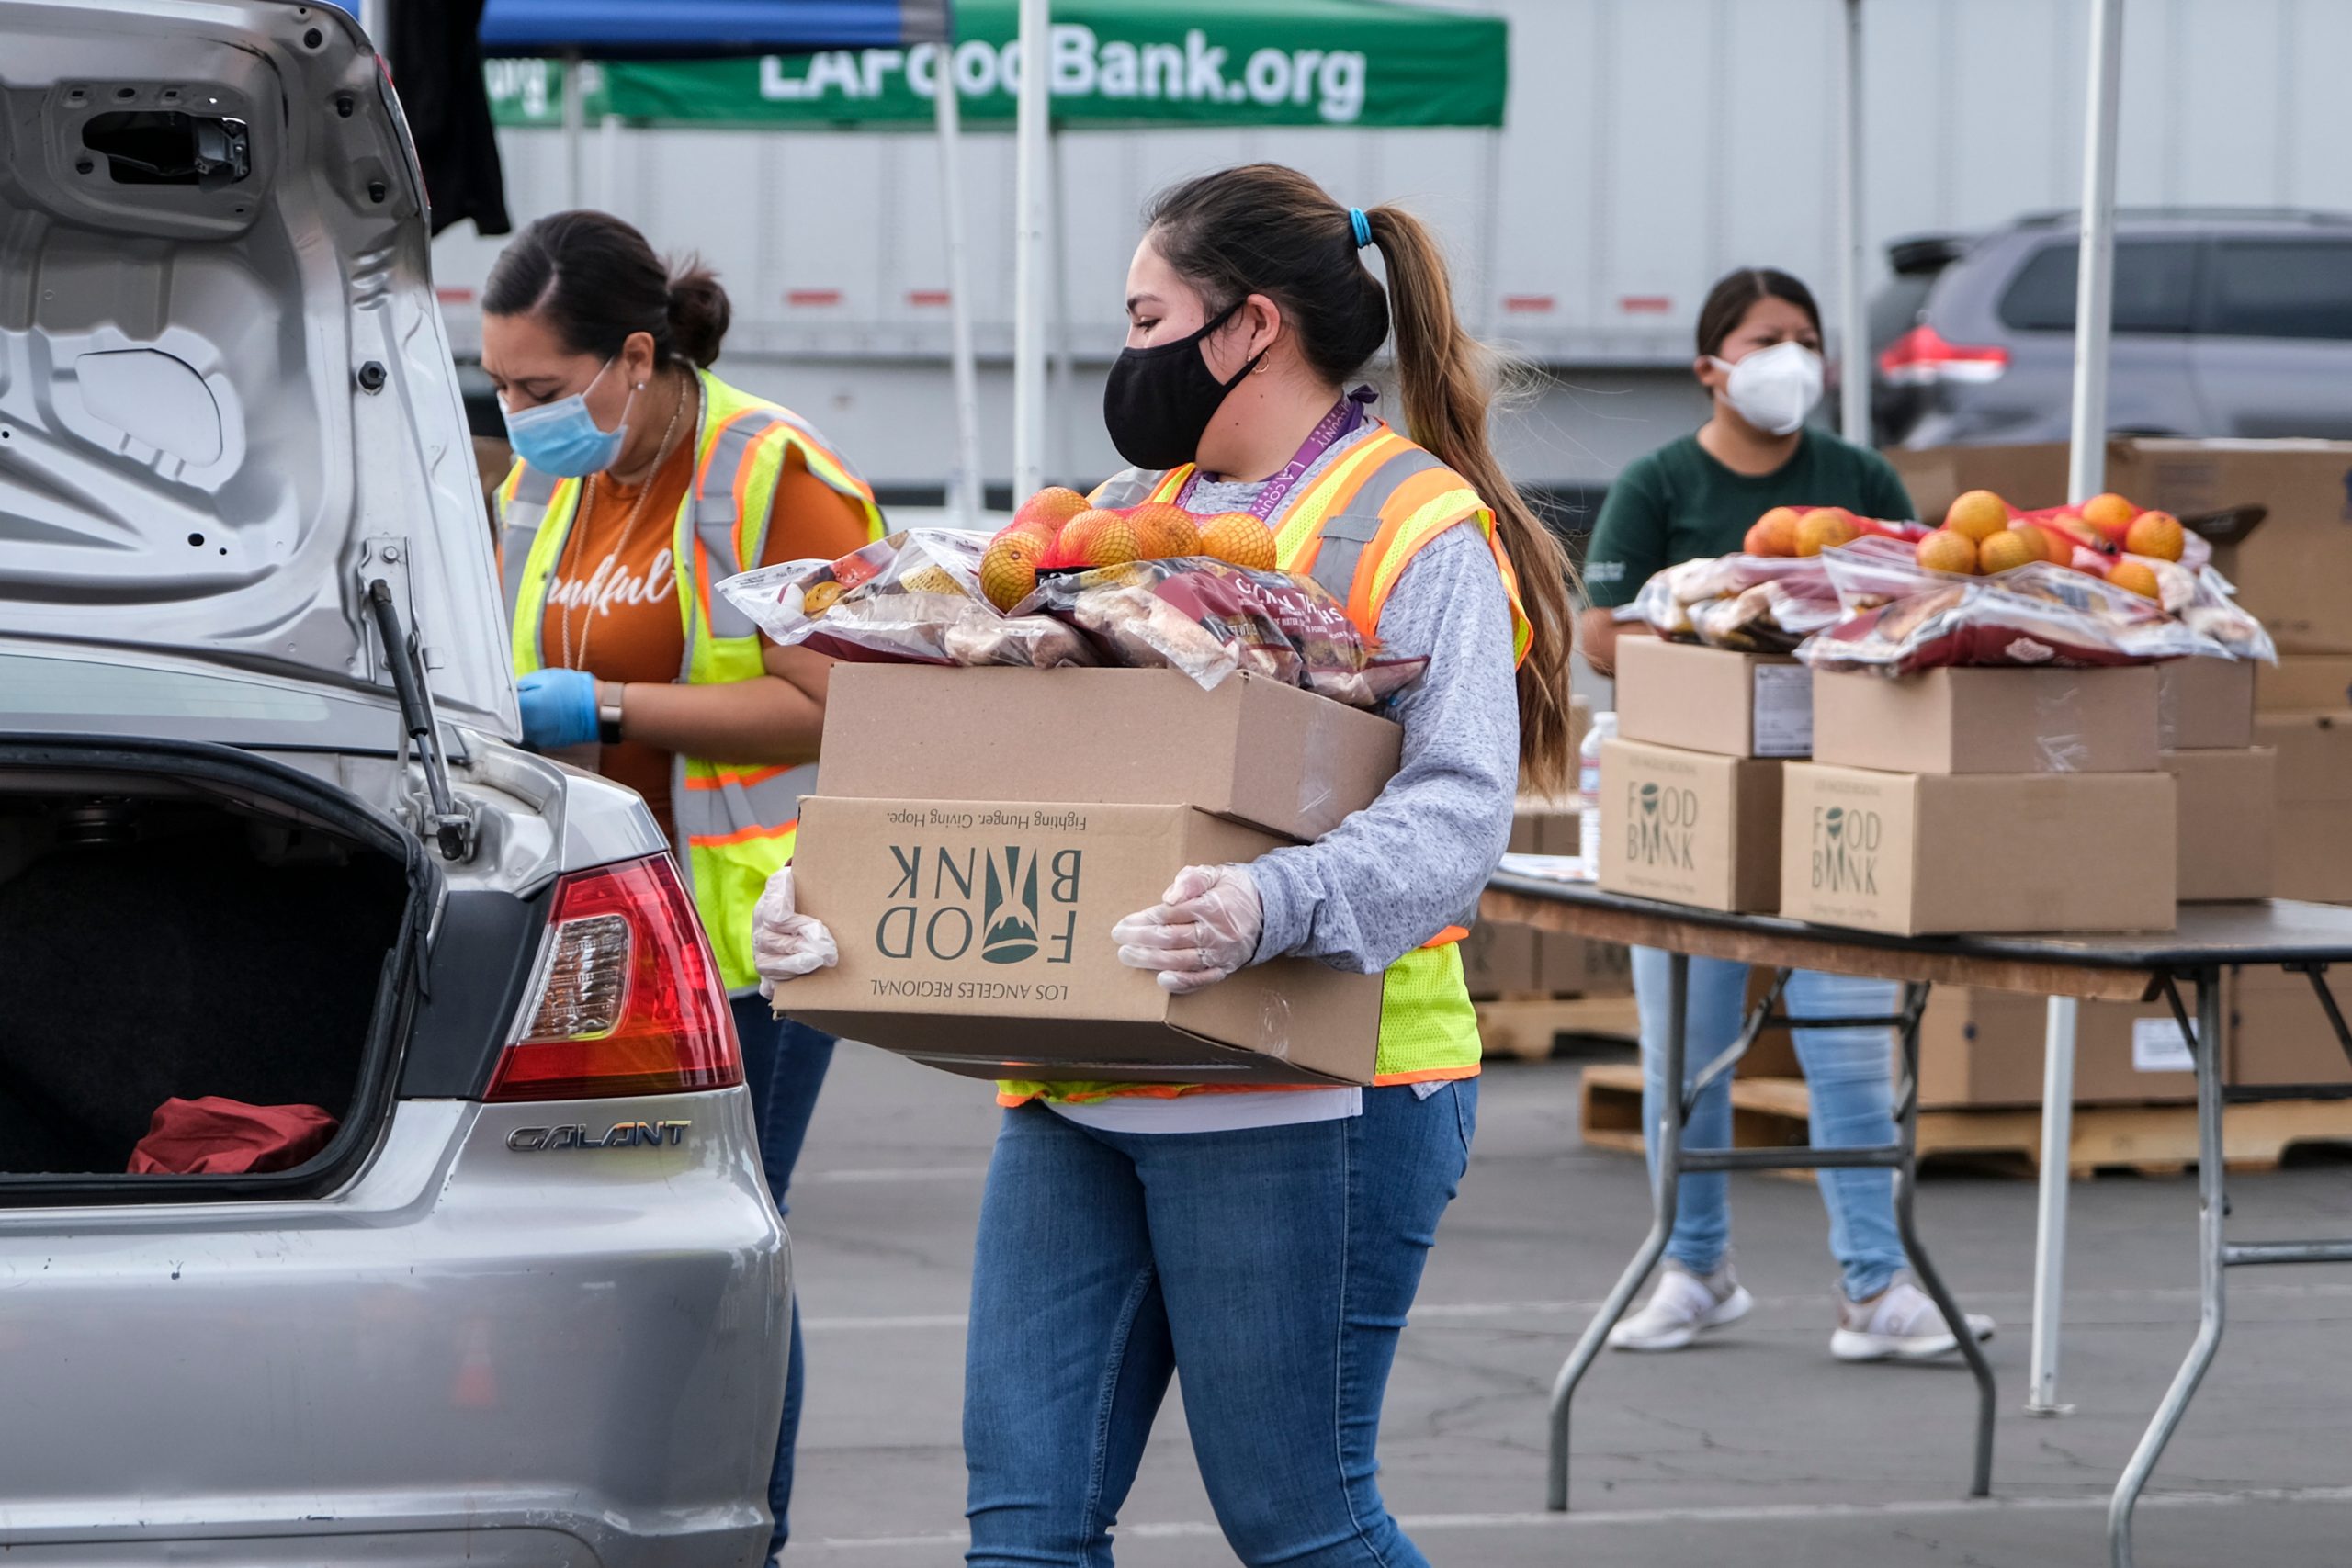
x=1345 y=416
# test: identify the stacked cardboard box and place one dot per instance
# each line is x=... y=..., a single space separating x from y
x=2279 y=1035
x=2228 y=784
x=2314 y=842
x=1983 y=800
x=982 y=830
x=1690 y=788
x=1984 y=1048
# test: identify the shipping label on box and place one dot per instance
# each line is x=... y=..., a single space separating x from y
x=976 y=936
x=2158 y=1046
x=1690 y=827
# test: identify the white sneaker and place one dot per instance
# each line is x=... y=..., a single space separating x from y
x=1900 y=1324
x=1679 y=1308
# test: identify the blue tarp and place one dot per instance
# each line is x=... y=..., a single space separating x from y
x=641 y=30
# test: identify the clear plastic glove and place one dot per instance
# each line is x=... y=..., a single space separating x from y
x=1204 y=927
x=786 y=943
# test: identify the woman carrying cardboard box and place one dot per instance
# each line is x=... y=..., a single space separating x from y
x=1269 y=1242
x=1759 y=355
x=641 y=481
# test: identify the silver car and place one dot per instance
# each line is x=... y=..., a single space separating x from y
x=2231 y=323
x=265 y=835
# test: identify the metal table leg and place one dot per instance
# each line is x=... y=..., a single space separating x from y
x=2205 y=1044
x=1664 y=1180
x=1906 y=1171
x=2050 y=1229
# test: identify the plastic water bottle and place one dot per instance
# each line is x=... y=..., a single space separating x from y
x=1604 y=729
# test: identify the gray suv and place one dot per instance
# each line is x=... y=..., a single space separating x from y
x=265 y=835
x=2227 y=323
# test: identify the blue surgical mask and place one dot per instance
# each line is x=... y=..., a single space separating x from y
x=562 y=437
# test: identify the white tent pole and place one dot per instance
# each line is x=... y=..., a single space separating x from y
x=963 y=494
x=575 y=132
x=2094 y=276
x=2086 y=476
x=1063 y=371
x=608 y=160
x=1030 y=198
x=1853 y=348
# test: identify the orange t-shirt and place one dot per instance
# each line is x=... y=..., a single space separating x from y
x=612 y=605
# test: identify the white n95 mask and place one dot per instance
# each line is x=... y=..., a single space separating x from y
x=1775 y=387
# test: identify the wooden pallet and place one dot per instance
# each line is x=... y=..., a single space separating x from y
x=1534 y=1027
x=2153 y=1140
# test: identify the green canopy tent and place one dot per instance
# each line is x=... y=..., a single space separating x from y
x=1110 y=64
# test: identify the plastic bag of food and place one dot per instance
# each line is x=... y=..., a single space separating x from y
x=1748 y=604
x=2204 y=600
x=913 y=597
x=1902 y=617
x=1210 y=619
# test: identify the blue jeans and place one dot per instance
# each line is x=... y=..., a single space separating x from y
x=784 y=1066
x=1849 y=1074
x=1273 y=1266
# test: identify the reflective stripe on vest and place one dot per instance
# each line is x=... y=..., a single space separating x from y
x=735 y=823
x=1353 y=529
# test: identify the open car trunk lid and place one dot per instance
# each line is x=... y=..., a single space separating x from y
x=187 y=921
x=227 y=405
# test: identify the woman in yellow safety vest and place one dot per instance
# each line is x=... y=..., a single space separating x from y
x=641 y=481
x=1269 y=1242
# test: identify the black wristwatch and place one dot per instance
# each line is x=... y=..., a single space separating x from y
x=608 y=716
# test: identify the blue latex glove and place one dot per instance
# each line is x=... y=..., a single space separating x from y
x=559 y=708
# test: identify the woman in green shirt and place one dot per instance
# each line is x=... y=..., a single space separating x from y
x=1759 y=353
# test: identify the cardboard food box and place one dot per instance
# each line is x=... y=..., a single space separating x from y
x=976 y=936
x=1577 y=967
x=1988 y=721
x=1984 y=1048
x=2279 y=1035
x=2314 y=833
x=1690 y=827
x=2229 y=813
x=2303 y=681
x=1709 y=699
x=1253 y=750
x=1913 y=854
x=2205 y=704
x=1498 y=960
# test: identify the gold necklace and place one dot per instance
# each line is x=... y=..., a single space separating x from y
x=575 y=659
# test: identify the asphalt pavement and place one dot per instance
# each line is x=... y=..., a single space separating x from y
x=1754 y=1448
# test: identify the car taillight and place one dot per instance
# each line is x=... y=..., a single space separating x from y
x=627 y=998
x=1921 y=357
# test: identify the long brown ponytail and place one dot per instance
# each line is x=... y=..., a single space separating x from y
x=1266 y=229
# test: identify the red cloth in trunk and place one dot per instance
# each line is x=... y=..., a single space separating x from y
x=212 y=1136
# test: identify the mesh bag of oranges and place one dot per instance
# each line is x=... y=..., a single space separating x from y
x=1899 y=616
x=913 y=597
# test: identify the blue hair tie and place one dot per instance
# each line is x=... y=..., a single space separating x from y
x=1361 y=225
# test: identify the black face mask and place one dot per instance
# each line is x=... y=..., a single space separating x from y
x=1159 y=400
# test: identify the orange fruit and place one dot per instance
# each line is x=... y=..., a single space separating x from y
x=1110 y=543
x=1825 y=528
x=1241 y=540
x=1949 y=549
x=1050 y=507
x=1774 y=533
x=1009 y=568
x=1979 y=513
x=2136 y=575
x=2156 y=533
x=2110 y=514
x=1164 y=532
x=1041 y=533
x=2008 y=547
x=1070 y=545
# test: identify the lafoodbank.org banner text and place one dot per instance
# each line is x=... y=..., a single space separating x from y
x=1081 y=66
